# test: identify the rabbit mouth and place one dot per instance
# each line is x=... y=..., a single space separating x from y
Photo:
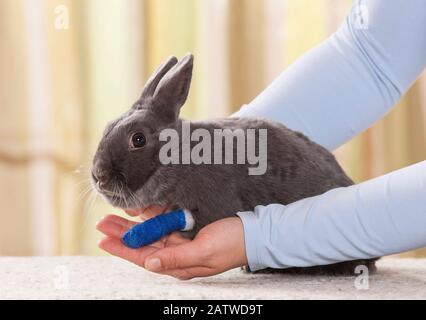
x=116 y=193
x=109 y=193
x=119 y=196
x=116 y=199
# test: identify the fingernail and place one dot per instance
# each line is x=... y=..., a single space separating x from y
x=153 y=264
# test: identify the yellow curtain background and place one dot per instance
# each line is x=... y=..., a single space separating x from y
x=70 y=66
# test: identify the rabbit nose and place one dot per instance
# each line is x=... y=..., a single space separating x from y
x=100 y=177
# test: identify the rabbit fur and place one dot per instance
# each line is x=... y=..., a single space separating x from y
x=135 y=178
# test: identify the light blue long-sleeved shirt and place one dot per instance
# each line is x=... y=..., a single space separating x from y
x=331 y=94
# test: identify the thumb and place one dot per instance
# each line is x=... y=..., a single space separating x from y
x=182 y=256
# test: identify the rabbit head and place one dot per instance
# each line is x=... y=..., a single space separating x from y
x=127 y=155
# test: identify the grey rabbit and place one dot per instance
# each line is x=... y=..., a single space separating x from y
x=127 y=170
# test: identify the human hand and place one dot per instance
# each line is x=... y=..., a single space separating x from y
x=148 y=212
x=218 y=247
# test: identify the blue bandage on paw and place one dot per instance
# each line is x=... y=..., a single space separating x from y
x=156 y=228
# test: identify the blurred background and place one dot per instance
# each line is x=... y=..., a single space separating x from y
x=69 y=66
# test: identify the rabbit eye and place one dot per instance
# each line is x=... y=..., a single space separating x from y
x=137 y=141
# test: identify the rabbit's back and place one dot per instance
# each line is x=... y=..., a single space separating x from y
x=296 y=168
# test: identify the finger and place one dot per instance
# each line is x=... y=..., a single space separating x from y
x=134 y=212
x=114 y=227
x=118 y=249
x=190 y=273
x=120 y=220
x=111 y=229
x=175 y=239
x=138 y=257
x=183 y=256
x=153 y=211
x=172 y=240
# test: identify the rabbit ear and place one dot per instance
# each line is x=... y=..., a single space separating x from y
x=173 y=89
x=153 y=81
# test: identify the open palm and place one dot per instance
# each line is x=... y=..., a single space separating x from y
x=216 y=248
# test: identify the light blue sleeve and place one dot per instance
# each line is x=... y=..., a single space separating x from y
x=340 y=88
x=379 y=217
x=331 y=94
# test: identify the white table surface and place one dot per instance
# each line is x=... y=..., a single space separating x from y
x=111 y=278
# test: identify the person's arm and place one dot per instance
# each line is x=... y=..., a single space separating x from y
x=383 y=216
x=331 y=94
x=351 y=80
